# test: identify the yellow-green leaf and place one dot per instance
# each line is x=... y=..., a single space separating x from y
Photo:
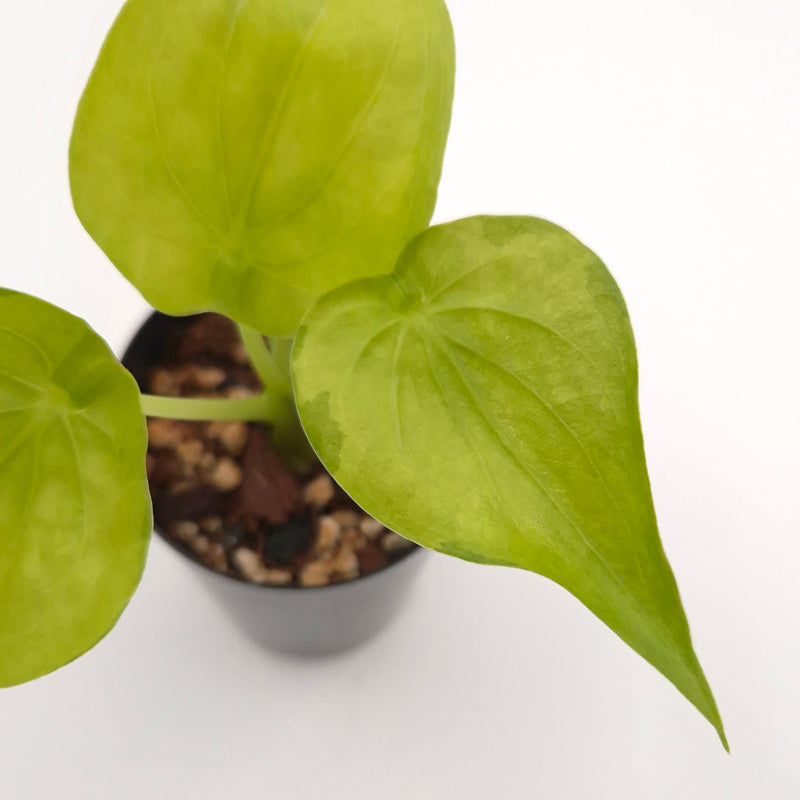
x=482 y=401
x=244 y=156
x=75 y=515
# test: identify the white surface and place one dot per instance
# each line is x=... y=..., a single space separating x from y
x=665 y=135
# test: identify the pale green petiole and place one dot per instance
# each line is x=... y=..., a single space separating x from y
x=274 y=406
x=270 y=363
x=261 y=408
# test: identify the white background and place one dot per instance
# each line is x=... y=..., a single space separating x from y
x=665 y=135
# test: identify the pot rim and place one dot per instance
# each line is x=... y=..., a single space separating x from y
x=190 y=556
x=193 y=558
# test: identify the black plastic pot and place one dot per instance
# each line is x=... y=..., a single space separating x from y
x=309 y=621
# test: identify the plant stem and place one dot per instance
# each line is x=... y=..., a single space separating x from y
x=271 y=365
x=282 y=353
x=275 y=405
x=262 y=408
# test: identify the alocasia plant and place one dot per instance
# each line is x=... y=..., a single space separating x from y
x=473 y=385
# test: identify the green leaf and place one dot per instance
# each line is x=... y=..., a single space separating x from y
x=482 y=401
x=75 y=515
x=245 y=156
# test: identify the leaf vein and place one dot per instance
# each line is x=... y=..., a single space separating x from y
x=190 y=205
x=222 y=86
x=544 y=327
x=320 y=186
x=479 y=406
x=79 y=476
x=372 y=339
x=394 y=393
x=548 y=406
x=35 y=386
x=464 y=429
x=273 y=124
x=30 y=343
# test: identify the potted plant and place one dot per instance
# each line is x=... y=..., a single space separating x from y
x=472 y=386
x=265 y=528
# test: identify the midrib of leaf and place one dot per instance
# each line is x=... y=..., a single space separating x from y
x=186 y=198
x=318 y=188
x=655 y=628
x=434 y=370
x=235 y=238
x=520 y=461
x=394 y=390
x=270 y=132
x=222 y=85
x=566 y=426
x=410 y=205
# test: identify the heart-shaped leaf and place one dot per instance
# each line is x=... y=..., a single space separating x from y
x=244 y=156
x=75 y=515
x=482 y=401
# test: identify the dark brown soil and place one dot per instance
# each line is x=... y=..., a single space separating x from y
x=222 y=492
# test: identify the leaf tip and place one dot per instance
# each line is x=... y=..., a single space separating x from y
x=720 y=729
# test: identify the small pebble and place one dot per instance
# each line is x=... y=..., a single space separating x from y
x=346 y=517
x=319 y=492
x=207 y=377
x=211 y=525
x=249 y=563
x=226 y=475
x=392 y=543
x=201 y=545
x=190 y=458
x=215 y=557
x=345 y=564
x=370 y=527
x=354 y=539
x=232 y=435
x=328 y=534
x=315 y=573
x=165 y=433
x=278 y=577
x=181 y=487
x=184 y=531
x=190 y=451
x=163 y=382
